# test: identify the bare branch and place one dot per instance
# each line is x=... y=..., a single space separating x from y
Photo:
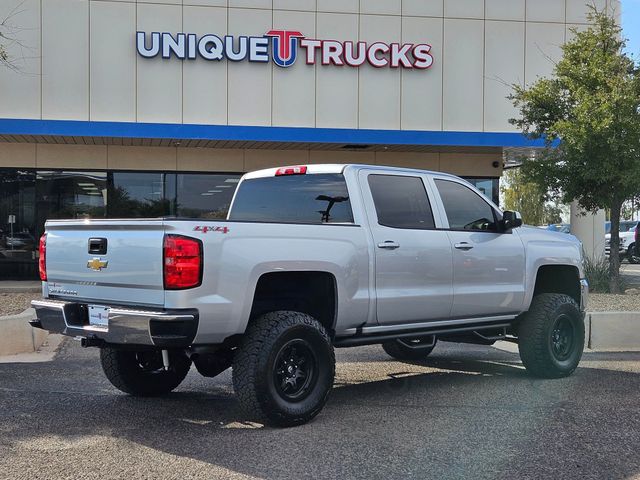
x=10 y=41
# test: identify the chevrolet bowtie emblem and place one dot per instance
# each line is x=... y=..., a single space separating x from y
x=97 y=264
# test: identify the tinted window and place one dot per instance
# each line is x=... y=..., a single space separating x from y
x=205 y=196
x=132 y=195
x=18 y=247
x=627 y=226
x=401 y=202
x=315 y=199
x=71 y=194
x=465 y=209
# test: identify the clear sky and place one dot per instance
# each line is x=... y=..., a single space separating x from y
x=631 y=25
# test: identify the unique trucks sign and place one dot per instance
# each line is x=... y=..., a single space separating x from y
x=281 y=47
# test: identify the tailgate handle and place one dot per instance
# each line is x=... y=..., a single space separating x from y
x=98 y=246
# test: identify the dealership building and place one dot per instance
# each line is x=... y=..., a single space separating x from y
x=147 y=108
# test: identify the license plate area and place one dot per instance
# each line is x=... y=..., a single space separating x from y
x=98 y=316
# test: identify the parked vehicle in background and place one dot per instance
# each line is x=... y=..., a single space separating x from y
x=311 y=258
x=559 y=227
x=625 y=226
x=20 y=241
x=628 y=243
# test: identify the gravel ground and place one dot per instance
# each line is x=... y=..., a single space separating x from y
x=13 y=303
x=601 y=302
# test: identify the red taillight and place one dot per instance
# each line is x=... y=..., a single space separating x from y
x=42 y=259
x=636 y=236
x=182 y=262
x=300 y=170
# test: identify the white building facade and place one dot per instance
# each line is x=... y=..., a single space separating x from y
x=159 y=103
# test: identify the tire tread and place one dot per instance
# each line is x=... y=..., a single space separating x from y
x=532 y=334
x=261 y=334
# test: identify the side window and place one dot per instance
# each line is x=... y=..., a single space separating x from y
x=401 y=202
x=465 y=209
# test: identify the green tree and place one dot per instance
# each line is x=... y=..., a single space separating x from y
x=589 y=115
x=524 y=196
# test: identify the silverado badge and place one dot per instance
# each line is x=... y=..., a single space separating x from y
x=97 y=264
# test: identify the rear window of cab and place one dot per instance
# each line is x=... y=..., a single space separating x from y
x=309 y=199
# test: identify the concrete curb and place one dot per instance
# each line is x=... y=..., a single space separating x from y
x=45 y=353
x=17 y=336
x=612 y=331
x=617 y=331
x=20 y=287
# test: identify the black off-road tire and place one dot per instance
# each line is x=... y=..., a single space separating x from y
x=265 y=351
x=142 y=373
x=542 y=352
x=400 y=350
x=632 y=254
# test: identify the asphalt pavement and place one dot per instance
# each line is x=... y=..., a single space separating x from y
x=467 y=412
x=631 y=274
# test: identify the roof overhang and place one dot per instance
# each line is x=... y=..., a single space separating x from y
x=235 y=136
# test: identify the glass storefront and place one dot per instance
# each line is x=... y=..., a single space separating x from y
x=29 y=198
x=17 y=224
x=490 y=187
x=139 y=194
x=204 y=196
x=70 y=195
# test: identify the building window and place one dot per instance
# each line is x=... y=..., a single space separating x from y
x=205 y=195
x=488 y=186
x=136 y=195
x=71 y=195
x=18 y=232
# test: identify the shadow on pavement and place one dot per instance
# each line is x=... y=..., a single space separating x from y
x=446 y=417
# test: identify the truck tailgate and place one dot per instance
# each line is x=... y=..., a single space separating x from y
x=128 y=272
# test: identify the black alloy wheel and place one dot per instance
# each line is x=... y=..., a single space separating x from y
x=150 y=361
x=284 y=368
x=562 y=338
x=295 y=370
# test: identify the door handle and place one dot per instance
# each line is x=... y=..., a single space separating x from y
x=463 y=246
x=389 y=245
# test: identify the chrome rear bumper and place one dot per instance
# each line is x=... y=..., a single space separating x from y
x=159 y=328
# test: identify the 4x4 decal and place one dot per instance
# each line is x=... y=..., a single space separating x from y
x=205 y=229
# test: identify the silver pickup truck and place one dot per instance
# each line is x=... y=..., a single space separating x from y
x=311 y=258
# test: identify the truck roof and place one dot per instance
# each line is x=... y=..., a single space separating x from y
x=337 y=168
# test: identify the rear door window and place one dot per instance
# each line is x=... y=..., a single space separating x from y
x=310 y=199
x=401 y=202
